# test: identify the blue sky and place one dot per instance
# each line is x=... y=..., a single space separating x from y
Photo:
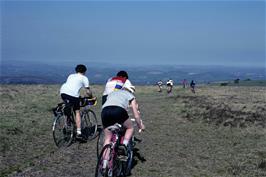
x=230 y=33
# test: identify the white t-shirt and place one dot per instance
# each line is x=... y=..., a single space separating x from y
x=160 y=83
x=115 y=83
x=73 y=84
x=170 y=82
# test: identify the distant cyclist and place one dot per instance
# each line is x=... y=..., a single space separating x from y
x=115 y=83
x=169 y=84
x=114 y=111
x=160 y=85
x=192 y=86
x=70 y=92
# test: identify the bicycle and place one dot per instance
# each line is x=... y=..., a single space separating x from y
x=64 y=125
x=118 y=165
x=192 y=88
x=100 y=140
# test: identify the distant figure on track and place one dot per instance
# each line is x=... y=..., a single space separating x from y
x=184 y=83
x=169 y=84
x=192 y=86
x=70 y=92
x=160 y=85
x=115 y=83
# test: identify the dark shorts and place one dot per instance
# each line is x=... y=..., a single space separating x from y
x=113 y=114
x=72 y=100
x=169 y=85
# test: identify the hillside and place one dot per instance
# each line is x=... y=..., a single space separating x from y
x=17 y=72
x=219 y=131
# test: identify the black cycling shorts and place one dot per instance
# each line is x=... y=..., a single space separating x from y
x=72 y=100
x=113 y=114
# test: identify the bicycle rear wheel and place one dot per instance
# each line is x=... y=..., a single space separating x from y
x=89 y=124
x=100 y=142
x=63 y=132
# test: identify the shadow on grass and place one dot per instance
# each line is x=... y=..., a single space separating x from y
x=137 y=157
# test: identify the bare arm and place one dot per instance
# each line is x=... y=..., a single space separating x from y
x=134 y=106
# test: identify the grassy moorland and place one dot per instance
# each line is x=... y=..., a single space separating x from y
x=219 y=131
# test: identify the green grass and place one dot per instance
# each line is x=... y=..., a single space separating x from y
x=178 y=141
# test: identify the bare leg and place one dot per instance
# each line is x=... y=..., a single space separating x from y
x=78 y=118
x=130 y=129
x=107 y=136
x=107 y=140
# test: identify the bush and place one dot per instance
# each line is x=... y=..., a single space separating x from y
x=236 y=81
x=224 y=84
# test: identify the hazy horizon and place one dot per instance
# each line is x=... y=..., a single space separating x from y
x=73 y=63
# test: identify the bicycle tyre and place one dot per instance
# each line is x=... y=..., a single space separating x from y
x=100 y=142
x=99 y=172
x=63 y=134
x=89 y=124
x=130 y=159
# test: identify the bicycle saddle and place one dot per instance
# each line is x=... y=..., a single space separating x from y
x=115 y=127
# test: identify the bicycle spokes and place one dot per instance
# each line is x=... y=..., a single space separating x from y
x=62 y=132
x=89 y=124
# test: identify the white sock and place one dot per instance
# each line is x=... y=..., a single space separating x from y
x=125 y=142
x=105 y=163
x=78 y=131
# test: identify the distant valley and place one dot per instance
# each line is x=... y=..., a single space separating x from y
x=17 y=72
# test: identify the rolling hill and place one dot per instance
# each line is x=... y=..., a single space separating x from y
x=17 y=72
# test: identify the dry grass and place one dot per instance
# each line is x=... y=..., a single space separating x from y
x=219 y=131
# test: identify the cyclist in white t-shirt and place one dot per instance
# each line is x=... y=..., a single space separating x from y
x=160 y=85
x=115 y=83
x=169 y=84
x=70 y=92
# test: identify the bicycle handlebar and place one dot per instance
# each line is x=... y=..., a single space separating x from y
x=88 y=101
x=88 y=98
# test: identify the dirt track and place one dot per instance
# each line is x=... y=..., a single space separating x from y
x=216 y=132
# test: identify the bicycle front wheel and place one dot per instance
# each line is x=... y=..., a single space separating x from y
x=101 y=170
x=130 y=158
x=63 y=132
x=89 y=124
